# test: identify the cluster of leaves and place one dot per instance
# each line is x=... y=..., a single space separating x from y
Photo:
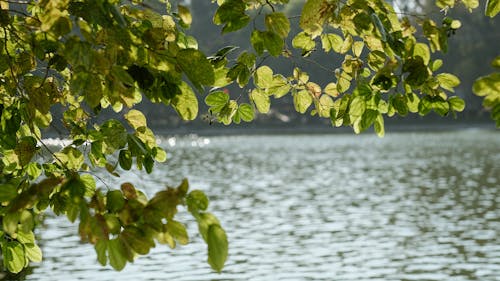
x=88 y=56
x=84 y=57
x=385 y=71
x=489 y=88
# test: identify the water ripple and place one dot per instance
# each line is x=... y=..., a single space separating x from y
x=322 y=207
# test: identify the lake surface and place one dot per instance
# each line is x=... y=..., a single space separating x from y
x=409 y=206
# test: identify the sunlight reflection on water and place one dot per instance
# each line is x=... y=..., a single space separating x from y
x=320 y=207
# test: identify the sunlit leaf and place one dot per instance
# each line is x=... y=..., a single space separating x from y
x=263 y=77
x=136 y=119
x=217 y=99
x=302 y=100
x=33 y=252
x=492 y=8
x=261 y=100
x=311 y=20
x=448 y=81
x=184 y=14
x=246 y=112
x=331 y=41
x=456 y=103
x=186 y=104
x=14 y=257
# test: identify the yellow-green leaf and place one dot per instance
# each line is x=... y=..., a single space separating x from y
x=261 y=100
x=184 y=14
x=263 y=77
x=186 y=103
x=302 y=100
x=136 y=119
x=492 y=8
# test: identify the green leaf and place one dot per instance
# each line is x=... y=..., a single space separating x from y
x=418 y=71
x=227 y=112
x=114 y=135
x=279 y=86
x=496 y=62
x=257 y=40
x=273 y=43
x=399 y=102
x=139 y=241
x=184 y=15
x=205 y=220
x=14 y=257
x=10 y=222
x=178 y=231
x=357 y=48
x=125 y=159
x=33 y=252
x=100 y=249
x=186 y=103
x=448 y=81
x=117 y=254
x=331 y=90
x=445 y=3
x=8 y=191
x=232 y=14
x=422 y=50
x=196 y=66
x=456 y=103
x=357 y=107
x=441 y=107
x=325 y=104
x=246 y=112
x=136 y=119
x=435 y=65
x=121 y=74
x=278 y=23
x=379 y=126
x=302 y=100
x=159 y=154
x=487 y=85
x=217 y=99
x=263 y=77
x=115 y=201
x=492 y=8
x=331 y=41
x=88 y=182
x=413 y=102
x=304 y=42
x=217 y=247
x=197 y=200
x=368 y=118
x=261 y=100
x=311 y=18
x=471 y=4
x=347 y=44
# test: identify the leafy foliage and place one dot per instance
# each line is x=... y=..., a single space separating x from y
x=88 y=56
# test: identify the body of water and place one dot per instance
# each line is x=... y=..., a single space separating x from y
x=408 y=206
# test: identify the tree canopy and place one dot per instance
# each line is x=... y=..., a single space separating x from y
x=85 y=57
